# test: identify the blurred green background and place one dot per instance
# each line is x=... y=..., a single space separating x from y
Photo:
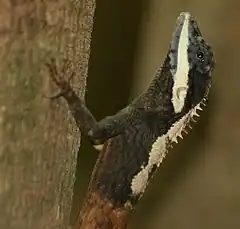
x=198 y=184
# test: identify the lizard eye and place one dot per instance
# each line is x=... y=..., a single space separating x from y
x=200 y=56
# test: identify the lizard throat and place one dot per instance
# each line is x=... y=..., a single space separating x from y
x=160 y=148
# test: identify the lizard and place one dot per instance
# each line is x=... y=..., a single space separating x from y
x=133 y=143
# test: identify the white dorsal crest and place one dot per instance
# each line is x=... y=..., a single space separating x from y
x=160 y=148
x=180 y=78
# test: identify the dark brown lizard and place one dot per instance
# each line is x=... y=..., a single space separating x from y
x=134 y=142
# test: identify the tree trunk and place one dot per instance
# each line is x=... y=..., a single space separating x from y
x=38 y=149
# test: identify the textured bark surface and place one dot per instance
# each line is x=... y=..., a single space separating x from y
x=38 y=147
x=98 y=213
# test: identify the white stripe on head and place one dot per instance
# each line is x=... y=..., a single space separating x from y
x=180 y=85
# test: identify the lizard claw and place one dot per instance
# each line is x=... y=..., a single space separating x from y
x=58 y=78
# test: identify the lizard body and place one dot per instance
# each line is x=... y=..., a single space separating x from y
x=134 y=141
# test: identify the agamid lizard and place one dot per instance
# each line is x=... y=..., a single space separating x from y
x=134 y=141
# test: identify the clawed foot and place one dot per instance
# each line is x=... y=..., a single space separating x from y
x=58 y=78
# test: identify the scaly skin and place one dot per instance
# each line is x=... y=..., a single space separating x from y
x=135 y=140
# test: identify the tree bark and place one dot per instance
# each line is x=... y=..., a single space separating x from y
x=38 y=147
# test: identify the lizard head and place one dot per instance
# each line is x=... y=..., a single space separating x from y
x=191 y=63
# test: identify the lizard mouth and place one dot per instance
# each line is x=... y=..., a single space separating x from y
x=191 y=63
x=181 y=30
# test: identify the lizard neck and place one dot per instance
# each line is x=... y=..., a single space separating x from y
x=159 y=93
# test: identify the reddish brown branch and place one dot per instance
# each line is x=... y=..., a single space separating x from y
x=102 y=214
